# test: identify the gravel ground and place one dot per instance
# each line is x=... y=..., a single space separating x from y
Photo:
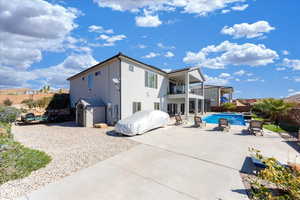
x=71 y=148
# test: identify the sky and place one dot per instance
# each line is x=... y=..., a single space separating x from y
x=251 y=45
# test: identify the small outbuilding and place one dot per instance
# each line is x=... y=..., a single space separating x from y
x=90 y=112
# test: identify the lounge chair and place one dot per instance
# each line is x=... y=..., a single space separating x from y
x=255 y=127
x=178 y=119
x=224 y=124
x=198 y=122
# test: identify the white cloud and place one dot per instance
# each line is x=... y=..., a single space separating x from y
x=285 y=52
x=29 y=27
x=100 y=29
x=151 y=55
x=240 y=7
x=70 y=66
x=252 y=79
x=231 y=54
x=54 y=75
x=240 y=73
x=169 y=54
x=280 y=68
x=199 y=7
x=142 y=46
x=167 y=70
x=294 y=64
x=162 y=46
x=297 y=79
x=291 y=90
x=224 y=75
x=148 y=20
x=254 y=30
x=225 y=11
x=215 y=80
x=111 y=40
x=293 y=93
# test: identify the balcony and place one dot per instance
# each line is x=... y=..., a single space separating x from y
x=177 y=94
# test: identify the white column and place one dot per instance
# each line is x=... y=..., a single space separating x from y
x=203 y=100
x=196 y=106
x=187 y=98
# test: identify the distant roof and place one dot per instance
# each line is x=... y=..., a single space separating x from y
x=120 y=55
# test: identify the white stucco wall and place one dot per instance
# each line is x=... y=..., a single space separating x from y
x=103 y=87
x=134 y=90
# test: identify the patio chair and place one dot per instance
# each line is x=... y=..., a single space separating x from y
x=224 y=124
x=178 y=119
x=198 y=122
x=255 y=127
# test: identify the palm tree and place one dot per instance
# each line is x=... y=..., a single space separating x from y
x=274 y=108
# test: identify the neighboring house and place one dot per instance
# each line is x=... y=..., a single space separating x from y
x=126 y=85
x=217 y=95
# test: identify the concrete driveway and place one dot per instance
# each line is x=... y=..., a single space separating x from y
x=171 y=163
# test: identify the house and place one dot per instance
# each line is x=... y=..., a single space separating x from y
x=126 y=85
x=217 y=95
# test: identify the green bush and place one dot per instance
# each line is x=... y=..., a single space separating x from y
x=286 y=180
x=229 y=106
x=7 y=102
x=9 y=114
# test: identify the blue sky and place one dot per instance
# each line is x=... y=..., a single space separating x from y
x=250 y=45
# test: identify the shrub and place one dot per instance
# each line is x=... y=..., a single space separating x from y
x=8 y=114
x=30 y=103
x=44 y=102
x=7 y=102
x=229 y=106
x=285 y=179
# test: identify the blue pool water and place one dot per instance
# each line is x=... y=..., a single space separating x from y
x=234 y=119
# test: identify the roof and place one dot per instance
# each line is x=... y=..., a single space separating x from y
x=88 y=102
x=217 y=86
x=121 y=55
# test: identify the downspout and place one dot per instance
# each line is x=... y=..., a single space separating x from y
x=120 y=90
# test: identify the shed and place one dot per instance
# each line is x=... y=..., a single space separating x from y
x=90 y=112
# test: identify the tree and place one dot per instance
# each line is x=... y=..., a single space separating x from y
x=274 y=108
x=7 y=102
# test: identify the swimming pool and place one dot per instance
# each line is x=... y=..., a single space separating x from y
x=234 y=119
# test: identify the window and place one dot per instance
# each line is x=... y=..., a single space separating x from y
x=150 y=79
x=90 y=81
x=131 y=68
x=136 y=106
x=156 y=106
x=97 y=73
x=82 y=78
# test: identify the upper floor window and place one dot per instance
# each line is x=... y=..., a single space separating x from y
x=131 y=68
x=90 y=81
x=97 y=73
x=150 y=79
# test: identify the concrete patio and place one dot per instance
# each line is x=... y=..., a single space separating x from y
x=171 y=163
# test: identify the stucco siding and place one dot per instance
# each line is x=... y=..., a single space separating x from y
x=103 y=86
x=134 y=90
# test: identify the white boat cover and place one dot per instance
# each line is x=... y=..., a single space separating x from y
x=141 y=122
